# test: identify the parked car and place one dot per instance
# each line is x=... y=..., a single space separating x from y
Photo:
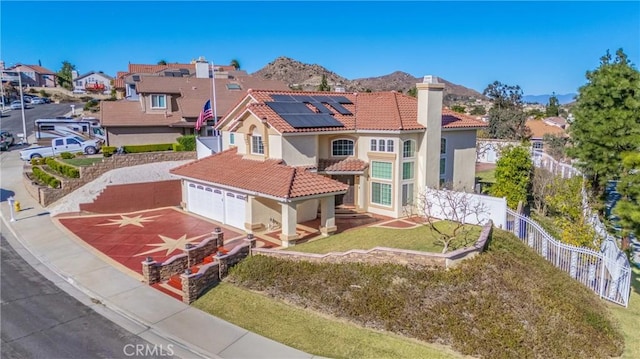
x=71 y=144
x=16 y=105
x=37 y=101
x=6 y=140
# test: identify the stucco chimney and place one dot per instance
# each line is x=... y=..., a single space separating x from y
x=74 y=74
x=202 y=68
x=430 y=93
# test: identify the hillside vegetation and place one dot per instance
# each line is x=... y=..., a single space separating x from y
x=506 y=303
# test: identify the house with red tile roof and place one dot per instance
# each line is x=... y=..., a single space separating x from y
x=35 y=75
x=287 y=154
x=160 y=107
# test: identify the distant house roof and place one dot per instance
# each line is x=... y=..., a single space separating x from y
x=94 y=72
x=125 y=113
x=285 y=182
x=388 y=111
x=38 y=69
x=539 y=128
x=150 y=69
x=556 y=121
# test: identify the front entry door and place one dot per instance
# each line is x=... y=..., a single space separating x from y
x=347 y=199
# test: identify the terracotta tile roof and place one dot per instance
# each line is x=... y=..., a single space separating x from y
x=390 y=111
x=161 y=84
x=558 y=121
x=342 y=165
x=118 y=83
x=451 y=119
x=249 y=175
x=539 y=128
x=150 y=69
x=128 y=113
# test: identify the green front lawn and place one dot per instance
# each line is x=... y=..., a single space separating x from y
x=310 y=331
x=81 y=162
x=421 y=238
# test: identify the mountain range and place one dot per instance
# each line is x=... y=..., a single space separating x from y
x=307 y=77
x=544 y=99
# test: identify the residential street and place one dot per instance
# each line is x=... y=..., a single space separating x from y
x=39 y=320
x=12 y=120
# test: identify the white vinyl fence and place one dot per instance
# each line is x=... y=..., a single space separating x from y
x=465 y=207
x=608 y=272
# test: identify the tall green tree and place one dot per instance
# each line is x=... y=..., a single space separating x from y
x=628 y=208
x=553 y=107
x=235 y=63
x=65 y=78
x=506 y=116
x=324 y=86
x=514 y=172
x=162 y=62
x=606 y=119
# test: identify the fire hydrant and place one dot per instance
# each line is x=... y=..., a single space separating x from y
x=16 y=206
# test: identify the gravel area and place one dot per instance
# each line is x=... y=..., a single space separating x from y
x=151 y=172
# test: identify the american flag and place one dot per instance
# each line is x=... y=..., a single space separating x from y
x=205 y=114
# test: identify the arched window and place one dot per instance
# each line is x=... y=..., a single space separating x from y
x=408 y=148
x=257 y=146
x=341 y=148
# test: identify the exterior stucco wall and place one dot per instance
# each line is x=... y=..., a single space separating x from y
x=460 y=158
x=307 y=210
x=122 y=136
x=275 y=146
x=263 y=209
x=300 y=150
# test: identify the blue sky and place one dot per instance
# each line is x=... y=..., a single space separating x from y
x=541 y=46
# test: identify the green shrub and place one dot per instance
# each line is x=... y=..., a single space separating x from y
x=67 y=155
x=177 y=147
x=149 y=148
x=32 y=90
x=79 y=153
x=188 y=142
x=107 y=151
x=86 y=98
x=62 y=168
x=46 y=178
x=44 y=93
x=37 y=161
x=506 y=303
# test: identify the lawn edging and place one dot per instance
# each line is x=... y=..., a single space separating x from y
x=379 y=255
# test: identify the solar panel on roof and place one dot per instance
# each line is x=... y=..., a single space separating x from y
x=289 y=108
x=342 y=100
x=325 y=99
x=283 y=98
x=340 y=108
x=184 y=71
x=303 y=98
x=311 y=121
x=321 y=108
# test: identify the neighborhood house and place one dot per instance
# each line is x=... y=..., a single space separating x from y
x=287 y=154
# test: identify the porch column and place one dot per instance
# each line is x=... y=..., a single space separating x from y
x=248 y=215
x=363 y=189
x=289 y=221
x=328 y=215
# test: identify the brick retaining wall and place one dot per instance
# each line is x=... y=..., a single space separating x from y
x=379 y=255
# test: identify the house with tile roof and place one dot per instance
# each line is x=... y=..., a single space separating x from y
x=92 y=82
x=35 y=75
x=287 y=154
x=160 y=107
x=540 y=128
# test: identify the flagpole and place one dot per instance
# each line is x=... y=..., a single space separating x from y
x=213 y=87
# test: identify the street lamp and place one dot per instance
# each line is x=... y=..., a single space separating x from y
x=24 y=122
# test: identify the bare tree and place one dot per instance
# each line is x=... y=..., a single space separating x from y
x=461 y=208
x=542 y=187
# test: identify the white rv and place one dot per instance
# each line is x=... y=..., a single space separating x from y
x=87 y=127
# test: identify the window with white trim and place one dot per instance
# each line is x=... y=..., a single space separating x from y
x=408 y=149
x=232 y=138
x=382 y=145
x=381 y=175
x=341 y=148
x=158 y=101
x=257 y=146
x=407 y=194
x=407 y=170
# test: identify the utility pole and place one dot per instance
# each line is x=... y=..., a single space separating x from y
x=24 y=122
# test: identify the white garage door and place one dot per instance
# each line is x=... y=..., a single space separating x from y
x=223 y=206
x=234 y=204
x=205 y=201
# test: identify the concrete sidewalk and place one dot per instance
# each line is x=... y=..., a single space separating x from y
x=131 y=304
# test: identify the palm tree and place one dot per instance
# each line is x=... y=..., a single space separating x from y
x=235 y=63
